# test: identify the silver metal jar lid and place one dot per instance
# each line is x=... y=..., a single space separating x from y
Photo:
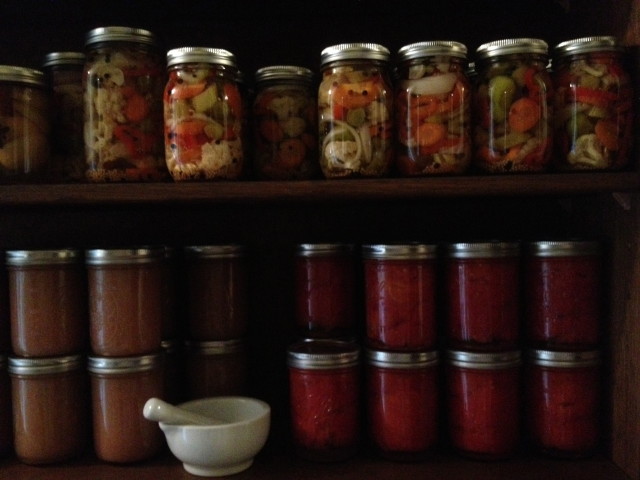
x=123 y=365
x=323 y=354
x=217 y=56
x=484 y=360
x=568 y=248
x=548 y=358
x=401 y=360
x=214 y=251
x=54 y=59
x=42 y=257
x=432 y=48
x=120 y=34
x=354 y=51
x=586 y=45
x=483 y=249
x=324 y=249
x=124 y=256
x=284 y=73
x=216 y=347
x=27 y=76
x=407 y=251
x=44 y=365
x=512 y=46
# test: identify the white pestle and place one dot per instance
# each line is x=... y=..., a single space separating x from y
x=160 y=411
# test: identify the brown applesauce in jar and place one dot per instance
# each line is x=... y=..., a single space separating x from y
x=120 y=387
x=48 y=311
x=125 y=300
x=50 y=408
x=6 y=418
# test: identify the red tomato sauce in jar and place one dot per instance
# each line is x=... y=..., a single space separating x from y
x=400 y=296
x=324 y=391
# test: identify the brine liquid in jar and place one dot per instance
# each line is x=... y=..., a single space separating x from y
x=355 y=104
x=432 y=109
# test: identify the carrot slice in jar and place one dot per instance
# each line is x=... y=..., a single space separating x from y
x=607 y=133
x=524 y=114
x=291 y=153
x=181 y=91
x=430 y=133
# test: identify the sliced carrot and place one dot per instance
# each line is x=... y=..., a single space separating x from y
x=233 y=98
x=512 y=153
x=291 y=153
x=190 y=127
x=270 y=130
x=524 y=114
x=430 y=133
x=181 y=91
x=607 y=133
x=355 y=95
x=136 y=109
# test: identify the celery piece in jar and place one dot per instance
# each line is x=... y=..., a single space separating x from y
x=214 y=130
x=505 y=142
x=589 y=81
x=205 y=101
x=579 y=125
x=502 y=89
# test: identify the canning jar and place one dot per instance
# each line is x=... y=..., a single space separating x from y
x=63 y=72
x=482 y=295
x=217 y=297
x=125 y=300
x=355 y=104
x=593 y=104
x=25 y=125
x=324 y=394
x=563 y=294
x=400 y=295
x=203 y=115
x=513 y=132
x=433 y=109
x=51 y=416
x=285 y=119
x=5 y=315
x=123 y=84
x=6 y=412
x=325 y=289
x=402 y=402
x=563 y=400
x=120 y=387
x=216 y=368
x=47 y=297
x=483 y=403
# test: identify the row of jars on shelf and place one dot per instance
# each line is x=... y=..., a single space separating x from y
x=123 y=112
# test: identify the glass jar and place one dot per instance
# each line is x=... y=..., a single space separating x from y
x=63 y=72
x=25 y=125
x=513 y=132
x=483 y=403
x=563 y=294
x=47 y=295
x=355 y=104
x=482 y=295
x=203 y=115
x=324 y=394
x=216 y=368
x=125 y=300
x=120 y=387
x=593 y=104
x=217 y=297
x=285 y=123
x=433 y=109
x=5 y=308
x=564 y=396
x=50 y=408
x=6 y=411
x=325 y=290
x=402 y=403
x=400 y=296
x=123 y=84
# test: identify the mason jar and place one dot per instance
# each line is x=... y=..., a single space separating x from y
x=6 y=411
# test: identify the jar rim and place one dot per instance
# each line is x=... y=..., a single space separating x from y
x=484 y=360
x=22 y=75
x=283 y=72
x=44 y=365
x=563 y=248
x=53 y=59
x=416 y=50
x=490 y=249
x=512 y=46
x=354 y=51
x=123 y=365
x=321 y=249
x=587 y=44
x=212 y=55
x=122 y=256
x=399 y=251
x=120 y=34
x=215 y=347
x=322 y=354
x=401 y=360
x=564 y=359
x=214 y=251
x=42 y=257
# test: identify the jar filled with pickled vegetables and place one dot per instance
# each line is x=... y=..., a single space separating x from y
x=123 y=84
x=24 y=125
x=432 y=109
x=285 y=123
x=513 y=130
x=593 y=103
x=355 y=100
x=203 y=115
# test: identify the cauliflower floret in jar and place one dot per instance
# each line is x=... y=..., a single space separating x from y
x=343 y=155
x=286 y=106
x=588 y=152
x=294 y=126
x=377 y=112
x=219 y=155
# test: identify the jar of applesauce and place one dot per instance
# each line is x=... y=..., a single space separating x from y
x=203 y=115
x=355 y=103
x=593 y=104
x=433 y=109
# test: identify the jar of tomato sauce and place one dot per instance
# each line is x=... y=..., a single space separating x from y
x=324 y=386
x=483 y=403
x=563 y=294
x=433 y=109
x=402 y=402
x=482 y=295
x=123 y=82
x=285 y=122
x=325 y=290
x=203 y=115
x=593 y=104
x=400 y=295
x=513 y=103
x=355 y=103
x=564 y=400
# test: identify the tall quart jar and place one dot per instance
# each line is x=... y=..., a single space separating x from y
x=513 y=132
x=324 y=389
x=355 y=104
x=203 y=115
x=564 y=400
x=402 y=402
x=25 y=124
x=433 y=109
x=593 y=105
x=123 y=84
